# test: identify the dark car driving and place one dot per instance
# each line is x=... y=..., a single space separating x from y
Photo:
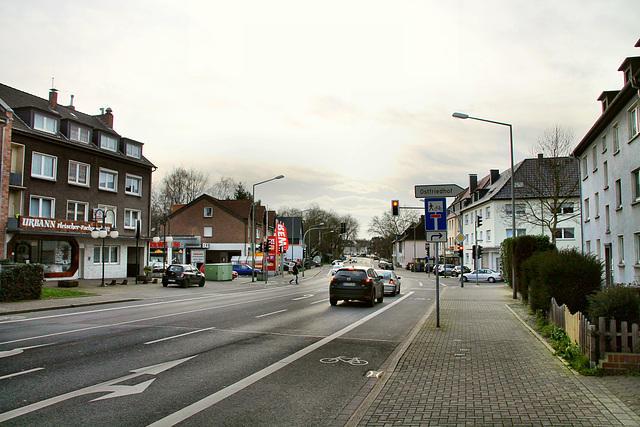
x=356 y=283
x=184 y=275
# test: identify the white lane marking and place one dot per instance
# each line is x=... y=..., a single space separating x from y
x=420 y=283
x=20 y=373
x=105 y=387
x=269 y=314
x=178 y=336
x=135 y=321
x=303 y=297
x=322 y=300
x=216 y=397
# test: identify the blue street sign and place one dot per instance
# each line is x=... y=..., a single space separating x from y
x=435 y=214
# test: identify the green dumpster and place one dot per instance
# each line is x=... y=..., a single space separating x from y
x=218 y=272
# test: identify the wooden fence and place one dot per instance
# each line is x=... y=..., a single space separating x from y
x=595 y=342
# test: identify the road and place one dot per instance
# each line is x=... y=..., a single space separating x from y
x=225 y=354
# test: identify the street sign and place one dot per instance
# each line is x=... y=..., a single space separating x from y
x=436 y=236
x=435 y=214
x=442 y=190
x=460 y=238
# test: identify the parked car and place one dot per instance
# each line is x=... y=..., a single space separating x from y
x=335 y=268
x=445 y=269
x=428 y=268
x=390 y=281
x=244 y=269
x=184 y=275
x=157 y=266
x=456 y=270
x=384 y=265
x=356 y=283
x=484 y=275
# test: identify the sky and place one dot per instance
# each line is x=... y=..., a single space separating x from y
x=350 y=100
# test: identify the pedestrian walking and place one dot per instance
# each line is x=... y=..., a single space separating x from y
x=295 y=274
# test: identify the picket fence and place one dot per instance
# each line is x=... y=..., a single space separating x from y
x=595 y=341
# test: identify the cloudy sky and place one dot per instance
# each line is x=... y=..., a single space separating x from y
x=351 y=100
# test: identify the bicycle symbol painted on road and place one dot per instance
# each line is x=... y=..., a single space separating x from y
x=354 y=361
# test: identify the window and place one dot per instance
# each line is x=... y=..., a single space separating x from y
x=110 y=255
x=43 y=166
x=488 y=212
x=633 y=121
x=131 y=217
x=133 y=150
x=616 y=138
x=565 y=233
x=607 y=219
x=520 y=232
x=480 y=237
x=586 y=209
x=585 y=167
x=208 y=212
x=77 y=211
x=108 y=180
x=618 y=194
x=620 y=249
x=605 y=170
x=594 y=160
x=79 y=133
x=42 y=207
x=604 y=143
x=567 y=208
x=133 y=185
x=45 y=123
x=635 y=185
x=520 y=209
x=208 y=232
x=466 y=220
x=108 y=142
x=488 y=235
x=636 y=239
x=597 y=205
x=78 y=173
x=110 y=212
x=587 y=246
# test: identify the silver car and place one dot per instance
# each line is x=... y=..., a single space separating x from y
x=391 y=281
x=484 y=275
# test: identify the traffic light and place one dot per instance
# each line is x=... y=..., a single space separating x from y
x=460 y=251
x=395 y=207
x=267 y=246
x=259 y=248
x=479 y=251
x=479 y=220
x=343 y=228
x=473 y=251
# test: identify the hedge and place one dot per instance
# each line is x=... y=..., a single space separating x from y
x=21 y=281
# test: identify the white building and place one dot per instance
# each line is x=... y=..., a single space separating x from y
x=609 y=157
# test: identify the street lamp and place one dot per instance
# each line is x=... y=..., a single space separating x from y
x=166 y=239
x=253 y=227
x=304 y=236
x=513 y=193
x=101 y=233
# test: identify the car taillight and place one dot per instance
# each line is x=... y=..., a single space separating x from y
x=367 y=281
x=391 y=281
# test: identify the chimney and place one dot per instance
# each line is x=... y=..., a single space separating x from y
x=71 y=103
x=473 y=182
x=106 y=117
x=53 y=98
x=495 y=175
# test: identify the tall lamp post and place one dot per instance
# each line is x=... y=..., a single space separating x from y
x=101 y=233
x=166 y=239
x=304 y=236
x=253 y=228
x=513 y=193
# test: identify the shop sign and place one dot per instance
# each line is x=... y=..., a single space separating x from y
x=162 y=244
x=197 y=256
x=31 y=223
x=281 y=236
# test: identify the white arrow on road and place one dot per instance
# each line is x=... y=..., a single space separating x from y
x=15 y=351
x=107 y=386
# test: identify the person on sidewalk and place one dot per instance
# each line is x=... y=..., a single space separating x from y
x=295 y=273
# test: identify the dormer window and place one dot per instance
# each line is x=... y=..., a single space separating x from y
x=108 y=142
x=79 y=133
x=133 y=150
x=45 y=123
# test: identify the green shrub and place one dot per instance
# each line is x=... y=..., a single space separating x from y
x=21 y=282
x=568 y=276
x=616 y=302
x=517 y=251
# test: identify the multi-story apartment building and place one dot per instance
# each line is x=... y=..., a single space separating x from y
x=609 y=157
x=543 y=186
x=6 y=121
x=71 y=173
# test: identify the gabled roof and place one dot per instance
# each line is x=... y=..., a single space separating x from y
x=219 y=203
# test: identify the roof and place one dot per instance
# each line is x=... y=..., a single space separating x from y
x=20 y=101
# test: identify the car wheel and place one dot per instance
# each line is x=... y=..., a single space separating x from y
x=491 y=280
x=333 y=301
x=186 y=283
x=372 y=298
x=465 y=279
x=201 y=284
x=381 y=298
x=454 y=274
x=165 y=284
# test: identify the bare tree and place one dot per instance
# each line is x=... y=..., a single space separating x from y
x=388 y=227
x=549 y=185
x=178 y=187
x=224 y=189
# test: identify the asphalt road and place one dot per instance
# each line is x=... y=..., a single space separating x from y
x=240 y=355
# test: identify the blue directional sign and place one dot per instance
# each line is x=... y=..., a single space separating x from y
x=435 y=214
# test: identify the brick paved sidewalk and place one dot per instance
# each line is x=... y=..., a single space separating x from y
x=483 y=367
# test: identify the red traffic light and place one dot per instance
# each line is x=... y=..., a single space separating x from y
x=395 y=207
x=460 y=247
